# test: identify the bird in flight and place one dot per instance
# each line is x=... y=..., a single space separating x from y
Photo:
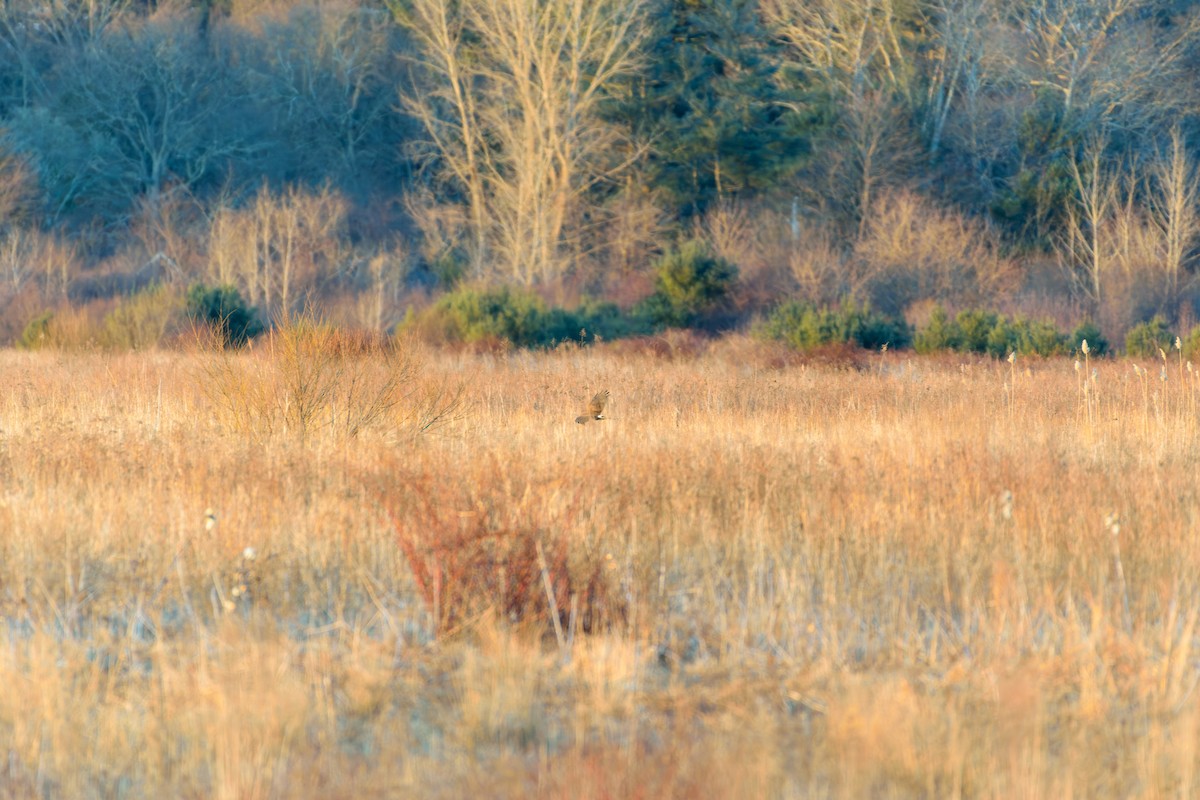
x=595 y=409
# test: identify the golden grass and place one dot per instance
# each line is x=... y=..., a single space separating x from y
x=825 y=589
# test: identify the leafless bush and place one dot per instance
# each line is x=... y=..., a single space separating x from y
x=817 y=265
x=630 y=232
x=143 y=320
x=310 y=378
x=912 y=250
x=469 y=553
x=18 y=187
x=732 y=232
x=170 y=231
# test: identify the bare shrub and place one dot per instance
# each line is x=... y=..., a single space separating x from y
x=470 y=551
x=171 y=232
x=817 y=265
x=144 y=320
x=629 y=232
x=912 y=250
x=310 y=378
x=731 y=231
x=71 y=328
x=18 y=187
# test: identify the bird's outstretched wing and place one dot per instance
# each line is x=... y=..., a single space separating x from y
x=595 y=408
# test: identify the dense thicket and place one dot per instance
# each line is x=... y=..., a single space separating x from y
x=1033 y=156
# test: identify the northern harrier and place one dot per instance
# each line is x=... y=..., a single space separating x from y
x=595 y=409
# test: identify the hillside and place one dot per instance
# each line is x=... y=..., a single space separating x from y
x=1027 y=157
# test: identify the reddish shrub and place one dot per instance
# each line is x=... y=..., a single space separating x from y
x=464 y=562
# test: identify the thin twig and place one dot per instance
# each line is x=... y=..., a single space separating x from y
x=558 y=631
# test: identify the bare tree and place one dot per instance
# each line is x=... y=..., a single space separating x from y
x=29 y=256
x=142 y=106
x=279 y=245
x=509 y=101
x=860 y=51
x=447 y=107
x=853 y=46
x=233 y=252
x=1174 y=211
x=385 y=275
x=1085 y=247
x=326 y=71
x=868 y=153
x=69 y=24
x=956 y=64
x=1107 y=59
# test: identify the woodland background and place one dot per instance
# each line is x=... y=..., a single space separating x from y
x=364 y=158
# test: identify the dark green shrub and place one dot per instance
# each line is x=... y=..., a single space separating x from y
x=1088 y=330
x=690 y=283
x=471 y=315
x=1002 y=339
x=449 y=267
x=223 y=308
x=940 y=334
x=1146 y=338
x=804 y=327
x=1191 y=343
x=976 y=330
x=604 y=320
x=1032 y=337
x=979 y=331
x=37 y=333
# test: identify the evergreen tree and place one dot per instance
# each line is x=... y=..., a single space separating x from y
x=711 y=102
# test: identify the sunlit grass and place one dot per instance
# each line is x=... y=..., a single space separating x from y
x=899 y=578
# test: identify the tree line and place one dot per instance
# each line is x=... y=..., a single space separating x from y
x=1036 y=154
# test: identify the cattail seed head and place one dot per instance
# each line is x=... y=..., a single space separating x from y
x=1084 y=347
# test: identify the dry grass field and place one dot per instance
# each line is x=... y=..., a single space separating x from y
x=899 y=578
